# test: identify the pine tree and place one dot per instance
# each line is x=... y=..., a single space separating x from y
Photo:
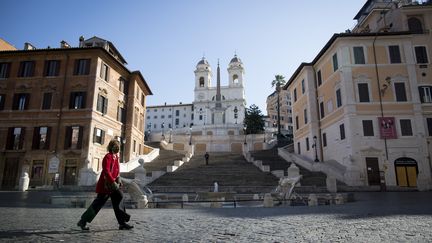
x=254 y=121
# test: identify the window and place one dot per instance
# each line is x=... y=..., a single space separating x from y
x=425 y=94
x=15 y=139
x=298 y=148
x=142 y=99
x=297 y=122
x=37 y=170
x=303 y=86
x=322 y=113
x=77 y=100
x=368 y=128
x=235 y=79
x=26 y=69
x=2 y=101
x=429 y=126
x=135 y=117
x=52 y=68
x=104 y=72
x=4 y=70
x=162 y=116
x=335 y=62
x=82 y=67
x=177 y=113
x=122 y=85
x=46 y=101
x=201 y=81
x=121 y=114
x=394 y=53
x=415 y=25
x=73 y=138
x=324 y=138
x=307 y=144
x=102 y=104
x=21 y=101
x=406 y=129
x=342 y=131
x=305 y=116
x=319 y=78
x=338 y=98
x=41 y=137
x=98 y=136
x=400 y=91
x=363 y=90
x=295 y=95
x=177 y=122
x=421 y=54
x=359 y=57
x=134 y=145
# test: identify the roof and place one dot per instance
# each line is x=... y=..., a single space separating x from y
x=164 y=106
x=330 y=43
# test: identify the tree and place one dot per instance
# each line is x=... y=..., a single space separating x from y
x=278 y=82
x=254 y=121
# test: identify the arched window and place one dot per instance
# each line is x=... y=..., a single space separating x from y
x=201 y=82
x=235 y=79
x=415 y=25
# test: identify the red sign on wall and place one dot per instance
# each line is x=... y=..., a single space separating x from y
x=387 y=127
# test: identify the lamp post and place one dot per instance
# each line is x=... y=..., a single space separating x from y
x=315 y=147
x=235 y=114
x=170 y=137
x=190 y=135
x=244 y=131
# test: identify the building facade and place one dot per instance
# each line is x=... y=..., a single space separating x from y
x=364 y=102
x=285 y=112
x=164 y=118
x=59 y=108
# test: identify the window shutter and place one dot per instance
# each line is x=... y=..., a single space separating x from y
x=9 y=144
x=68 y=137
x=83 y=100
x=102 y=136
x=123 y=115
x=21 y=139
x=35 y=143
x=20 y=70
x=2 y=101
x=105 y=105
x=48 y=138
x=15 y=102
x=99 y=103
x=80 y=135
x=94 y=135
x=76 y=66
x=422 y=94
x=27 y=101
x=71 y=100
x=87 y=71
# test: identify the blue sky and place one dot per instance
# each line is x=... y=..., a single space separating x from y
x=165 y=39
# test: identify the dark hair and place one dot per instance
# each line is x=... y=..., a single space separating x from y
x=112 y=144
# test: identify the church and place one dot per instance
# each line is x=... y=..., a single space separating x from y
x=219 y=105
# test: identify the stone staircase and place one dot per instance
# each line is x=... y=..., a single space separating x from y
x=165 y=158
x=275 y=162
x=232 y=172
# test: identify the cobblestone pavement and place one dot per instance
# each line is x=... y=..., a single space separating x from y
x=373 y=217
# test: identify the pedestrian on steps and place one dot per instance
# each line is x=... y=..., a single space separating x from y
x=207 y=156
x=108 y=186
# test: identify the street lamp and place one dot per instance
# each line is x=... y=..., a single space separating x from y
x=244 y=131
x=235 y=114
x=190 y=136
x=315 y=147
x=170 y=138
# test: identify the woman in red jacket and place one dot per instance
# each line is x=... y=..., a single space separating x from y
x=108 y=186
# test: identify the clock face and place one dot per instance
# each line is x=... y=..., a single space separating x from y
x=201 y=96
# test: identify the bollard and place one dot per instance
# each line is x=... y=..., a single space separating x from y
x=312 y=200
x=268 y=200
x=185 y=198
x=339 y=199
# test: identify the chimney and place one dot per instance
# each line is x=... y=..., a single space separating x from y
x=64 y=44
x=81 y=41
x=28 y=46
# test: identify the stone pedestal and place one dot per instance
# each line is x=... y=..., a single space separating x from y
x=331 y=184
x=185 y=198
x=268 y=201
x=339 y=199
x=24 y=182
x=293 y=172
x=312 y=200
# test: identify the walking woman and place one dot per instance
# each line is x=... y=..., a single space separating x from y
x=108 y=186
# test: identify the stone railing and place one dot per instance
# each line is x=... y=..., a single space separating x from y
x=135 y=162
x=258 y=163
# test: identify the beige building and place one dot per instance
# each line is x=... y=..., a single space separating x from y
x=5 y=46
x=366 y=99
x=285 y=112
x=59 y=108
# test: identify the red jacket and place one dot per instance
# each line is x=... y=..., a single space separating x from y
x=110 y=171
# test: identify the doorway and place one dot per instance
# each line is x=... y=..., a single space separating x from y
x=373 y=173
x=406 y=172
x=10 y=173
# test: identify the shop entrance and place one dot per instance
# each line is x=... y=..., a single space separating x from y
x=406 y=172
x=373 y=171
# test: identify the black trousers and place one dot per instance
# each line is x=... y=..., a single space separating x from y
x=99 y=202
